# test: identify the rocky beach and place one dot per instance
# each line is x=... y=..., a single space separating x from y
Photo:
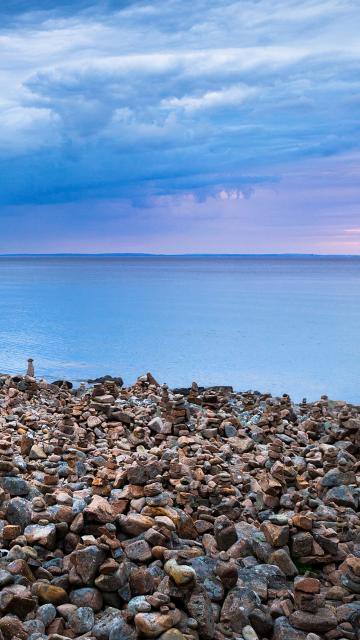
x=145 y=512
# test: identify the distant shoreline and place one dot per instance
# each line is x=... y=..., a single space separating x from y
x=179 y=255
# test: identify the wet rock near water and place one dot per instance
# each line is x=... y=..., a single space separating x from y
x=197 y=513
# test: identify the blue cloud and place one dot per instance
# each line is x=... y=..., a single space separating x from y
x=139 y=100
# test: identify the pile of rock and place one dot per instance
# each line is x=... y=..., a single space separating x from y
x=143 y=513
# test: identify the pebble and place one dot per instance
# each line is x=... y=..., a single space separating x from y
x=208 y=514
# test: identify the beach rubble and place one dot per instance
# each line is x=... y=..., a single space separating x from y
x=198 y=513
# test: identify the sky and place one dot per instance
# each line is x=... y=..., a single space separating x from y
x=172 y=126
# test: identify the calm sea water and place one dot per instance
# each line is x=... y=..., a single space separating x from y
x=279 y=324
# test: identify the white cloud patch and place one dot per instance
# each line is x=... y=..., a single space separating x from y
x=211 y=99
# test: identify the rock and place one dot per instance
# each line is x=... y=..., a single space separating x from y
x=49 y=593
x=307 y=585
x=42 y=535
x=237 y=607
x=172 y=634
x=284 y=631
x=82 y=620
x=275 y=535
x=121 y=630
x=11 y=628
x=282 y=560
x=203 y=513
x=16 y=599
x=87 y=562
x=87 y=597
x=46 y=613
x=158 y=426
x=322 y=621
x=15 y=486
x=139 y=551
x=19 y=512
x=248 y=633
x=225 y=533
x=341 y=495
x=99 y=510
x=37 y=453
x=181 y=574
x=199 y=607
x=151 y=625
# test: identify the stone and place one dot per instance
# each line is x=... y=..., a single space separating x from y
x=46 y=613
x=138 y=551
x=307 y=584
x=284 y=631
x=277 y=536
x=11 y=627
x=37 y=453
x=99 y=510
x=42 y=535
x=87 y=597
x=121 y=630
x=181 y=574
x=341 y=495
x=87 y=562
x=151 y=625
x=15 y=486
x=202 y=513
x=16 y=599
x=200 y=608
x=248 y=633
x=49 y=593
x=237 y=607
x=282 y=559
x=82 y=620
x=19 y=512
x=322 y=621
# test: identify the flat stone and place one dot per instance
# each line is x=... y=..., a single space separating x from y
x=322 y=621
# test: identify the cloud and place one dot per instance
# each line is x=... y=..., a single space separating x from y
x=211 y=99
x=135 y=101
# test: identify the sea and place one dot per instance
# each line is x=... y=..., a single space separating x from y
x=278 y=324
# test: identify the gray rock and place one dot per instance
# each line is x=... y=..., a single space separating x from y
x=284 y=631
x=341 y=495
x=87 y=597
x=15 y=486
x=19 y=512
x=82 y=620
x=46 y=613
x=237 y=606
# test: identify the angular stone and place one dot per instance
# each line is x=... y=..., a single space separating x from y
x=322 y=621
x=15 y=486
x=19 y=512
x=307 y=584
x=282 y=559
x=99 y=510
x=45 y=535
x=87 y=562
x=276 y=535
x=139 y=551
x=284 y=631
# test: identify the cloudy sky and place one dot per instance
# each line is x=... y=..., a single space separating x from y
x=180 y=126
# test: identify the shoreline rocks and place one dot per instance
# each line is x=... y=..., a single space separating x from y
x=146 y=512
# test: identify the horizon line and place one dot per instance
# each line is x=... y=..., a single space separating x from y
x=175 y=255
